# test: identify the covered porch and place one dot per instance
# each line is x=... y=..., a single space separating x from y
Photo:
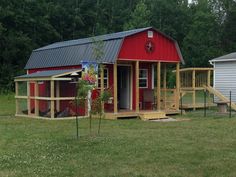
x=151 y=101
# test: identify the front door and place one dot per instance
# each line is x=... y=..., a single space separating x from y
x=124 y=86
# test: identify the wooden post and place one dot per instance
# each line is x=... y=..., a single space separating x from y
x=209 y=84
x=115 y=87
x=102 y=83
x=177 y=95
x=57 y=95
x=28 y=98
x=193 y=87
x=36 y=101
x=52 y=97
x=159 y=86
x=17 y=94
x=209 y=78
x=137 y=85
x=164 y=85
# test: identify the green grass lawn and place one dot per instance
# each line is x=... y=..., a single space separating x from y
x=7 y=104
x=195 y=147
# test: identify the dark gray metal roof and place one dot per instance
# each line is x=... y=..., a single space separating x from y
x=73 y=55
x=50 y=73
x=228 y=57
x=119 y=35
x=73 y=52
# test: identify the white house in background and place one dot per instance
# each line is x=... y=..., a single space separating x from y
x=225 y=74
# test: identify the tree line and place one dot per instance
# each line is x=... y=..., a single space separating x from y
x=204 y=29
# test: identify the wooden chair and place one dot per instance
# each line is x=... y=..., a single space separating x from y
x=149 y=98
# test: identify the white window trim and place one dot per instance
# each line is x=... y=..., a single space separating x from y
x=99 y=78
x=143 y=78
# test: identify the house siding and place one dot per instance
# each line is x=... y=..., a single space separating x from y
x=133 y=48
x=225 y=78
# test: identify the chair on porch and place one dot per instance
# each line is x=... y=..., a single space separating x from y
x=149 y=99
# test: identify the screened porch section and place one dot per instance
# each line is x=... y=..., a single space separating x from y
x=47 y=94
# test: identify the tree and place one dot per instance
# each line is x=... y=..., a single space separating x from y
x=229 y=28
x=140 y=17
x=202 y=42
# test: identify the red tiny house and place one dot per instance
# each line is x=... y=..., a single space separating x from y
x=147 y=48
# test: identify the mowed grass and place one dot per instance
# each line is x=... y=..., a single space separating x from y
x=7 y=104
x=196 y=146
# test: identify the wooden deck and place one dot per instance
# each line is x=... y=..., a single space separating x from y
x=144 y=115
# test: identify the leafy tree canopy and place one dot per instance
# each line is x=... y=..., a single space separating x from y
x=204 y=28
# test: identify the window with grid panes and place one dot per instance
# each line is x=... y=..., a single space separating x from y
x=143 y=78
x=105 y=79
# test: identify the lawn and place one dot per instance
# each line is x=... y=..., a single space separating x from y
x=7 y=104
x=197 y=146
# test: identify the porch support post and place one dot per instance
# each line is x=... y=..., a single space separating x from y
x=52 y=98
x=28 y=98
x=209 y=84
x=164 y=85
x=115 y=87
x=102 y=83
x=17 y=94
x=193 y=86
x=177 y=96
x=57 y=95
x=159 y=86
x=36 y=101
x=137 y=85
x=209 y=78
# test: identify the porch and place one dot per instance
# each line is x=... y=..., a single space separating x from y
x=152 y=101
x=192 y=87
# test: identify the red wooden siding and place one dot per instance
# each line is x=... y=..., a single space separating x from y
x=133 y=48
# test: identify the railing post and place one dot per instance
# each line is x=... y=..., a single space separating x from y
x=17 y=94
x=204 y=103
x=177 y=95
x=115 y=87
x=194 y=90
x=52 y=99
x=137 y=85
x=159 y=86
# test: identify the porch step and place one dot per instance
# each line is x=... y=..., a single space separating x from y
x=120 y=115
x=144 y=115
x=152 y=115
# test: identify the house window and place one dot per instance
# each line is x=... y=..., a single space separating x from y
x=105 y=78
x=150 y=34
x=143 y=78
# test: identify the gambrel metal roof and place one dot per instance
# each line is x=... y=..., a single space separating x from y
x=73 y=52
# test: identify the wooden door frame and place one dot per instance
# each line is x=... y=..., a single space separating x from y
x=131 y=83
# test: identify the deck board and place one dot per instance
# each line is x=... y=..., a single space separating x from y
x=144 y=115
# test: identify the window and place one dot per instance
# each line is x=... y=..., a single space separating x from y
x=105 y=79
x=150 y=34
x=143 y=78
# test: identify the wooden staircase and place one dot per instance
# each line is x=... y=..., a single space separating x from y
x=220 y=96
